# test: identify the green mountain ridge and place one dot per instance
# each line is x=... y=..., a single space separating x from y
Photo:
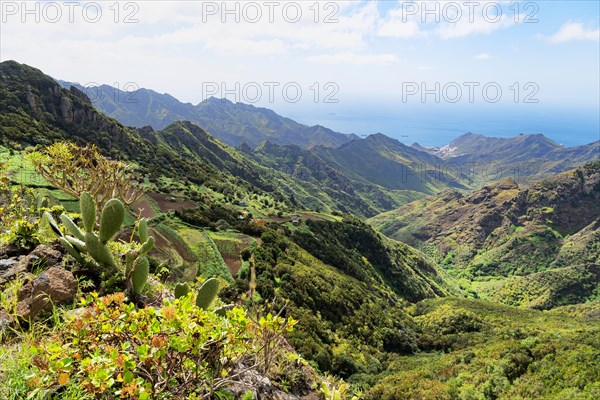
x=502 y=230
x=469 y=161
x=389 y=163
x=524 y=158
x=232 y=123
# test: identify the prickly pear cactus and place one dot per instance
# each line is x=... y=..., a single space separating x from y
x=88 y=211
x=143 y=230
x=207 y=293
x=71 y=227
x=87 y=241
x=98 y=250
x=139 y=275
x=181 y=289
x=111 y=219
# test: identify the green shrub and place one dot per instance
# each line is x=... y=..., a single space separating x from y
x=112 y=349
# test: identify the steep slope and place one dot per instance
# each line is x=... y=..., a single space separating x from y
x=386 y=162
x=502 y=230
x=140 y=108
x=517 y=147
x=232 y=123
x=354 y=248
x=189 y=140
x=324 y=183
x=548 y=289
x=36 y=110
x=492 y=351
x=524 y=158
x=235 y=123
x=182 y=160
x=348 y=286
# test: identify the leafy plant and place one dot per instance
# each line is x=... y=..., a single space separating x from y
x=179 y=351
x=206 y=296
x=76 y=170
x=19 y=215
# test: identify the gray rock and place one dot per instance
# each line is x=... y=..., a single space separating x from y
x=6 y=264
x=41 y=257
x=5 y=321
x=12 y=273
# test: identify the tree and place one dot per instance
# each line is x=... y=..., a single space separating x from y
x=77 y=169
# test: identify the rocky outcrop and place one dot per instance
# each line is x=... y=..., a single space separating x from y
x=263 y=388
x=54 y=286
x=37 y=294
x=5 y=322
x=41 y=257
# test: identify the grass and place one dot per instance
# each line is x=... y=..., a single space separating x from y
x=20 y=170
x=165 y=238
x=231 y=245
x=211 y=262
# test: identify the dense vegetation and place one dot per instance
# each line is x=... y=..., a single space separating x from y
x=247 y=273
x=490 y=351
x=502 y=231
x=137 y=341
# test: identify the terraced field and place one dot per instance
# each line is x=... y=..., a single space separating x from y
x=231 y=245
x=208 y=258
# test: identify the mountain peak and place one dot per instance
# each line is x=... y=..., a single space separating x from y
x=380 y=137
x=217 y=101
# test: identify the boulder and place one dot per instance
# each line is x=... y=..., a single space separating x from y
x=54 y=286
x=12 y=273
x=47 y=256
x=10 y=250
x=41 y=257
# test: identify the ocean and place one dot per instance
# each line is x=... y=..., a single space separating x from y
x=439 y=126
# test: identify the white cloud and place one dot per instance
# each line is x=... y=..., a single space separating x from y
x=483 y=56
x=479 y=26
x=354 y=58
x=398 y=25
x=574 y=31
x=446 y=20
x=399 y=29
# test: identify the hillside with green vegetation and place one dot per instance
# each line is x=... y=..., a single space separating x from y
x=525 y=158
x=323 y=285
x=231 y=123
x=145 y=264
x=35 y=110
x=323 y=185
x=83 y=316
x=502 y=231
x=387 y=162
x=489 y=351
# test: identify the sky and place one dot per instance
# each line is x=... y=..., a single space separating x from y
x=417 y=70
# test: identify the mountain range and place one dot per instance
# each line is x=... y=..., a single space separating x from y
x=525 y=158
x=361 y=176
x=469 y=161
x=392 y=303
x=231 y=123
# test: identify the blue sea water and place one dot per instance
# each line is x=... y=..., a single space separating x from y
x=439 y=126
